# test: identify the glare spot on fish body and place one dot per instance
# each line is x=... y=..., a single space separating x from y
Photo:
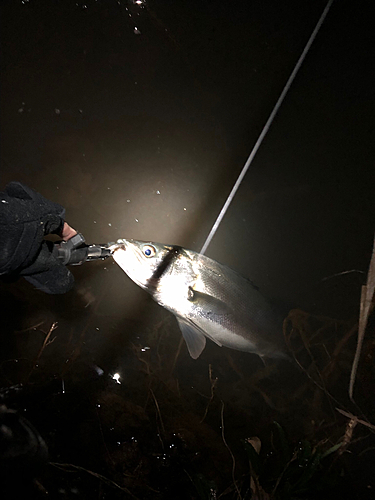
x=174 y=291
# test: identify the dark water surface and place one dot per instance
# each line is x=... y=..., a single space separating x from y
x=138 y=117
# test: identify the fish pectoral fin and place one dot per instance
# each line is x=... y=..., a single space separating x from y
x=194 y=338
x=208 y=304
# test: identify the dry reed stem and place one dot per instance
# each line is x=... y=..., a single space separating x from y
x=34 y=327
x=351 y=416
x=213 y=382
x=158 y=411
x=230 y=451
x=46 y=342
x=366 y=306
x=321 y=386
x=109 y=482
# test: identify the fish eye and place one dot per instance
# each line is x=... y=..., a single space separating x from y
x=149 y=250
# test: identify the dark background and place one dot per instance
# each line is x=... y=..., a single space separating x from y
x=93 y=115
x=138 y=119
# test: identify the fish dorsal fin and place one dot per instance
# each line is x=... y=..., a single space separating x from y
x=194 y=338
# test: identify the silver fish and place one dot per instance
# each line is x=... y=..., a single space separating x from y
x=207 y=298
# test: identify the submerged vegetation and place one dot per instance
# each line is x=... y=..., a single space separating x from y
x=284 y=430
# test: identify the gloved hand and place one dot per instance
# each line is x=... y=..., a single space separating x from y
x=25 y=218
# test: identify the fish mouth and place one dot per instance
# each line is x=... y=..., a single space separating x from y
x=119 y=245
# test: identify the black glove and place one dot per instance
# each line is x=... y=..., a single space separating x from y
x=25 y=218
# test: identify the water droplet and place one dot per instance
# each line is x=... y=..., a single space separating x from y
x=99 y=370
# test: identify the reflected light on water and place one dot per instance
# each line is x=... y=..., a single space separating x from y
x=116 y=377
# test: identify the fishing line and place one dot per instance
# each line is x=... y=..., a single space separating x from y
x=265 y=129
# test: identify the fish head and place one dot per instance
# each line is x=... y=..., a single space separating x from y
x=145 y=262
